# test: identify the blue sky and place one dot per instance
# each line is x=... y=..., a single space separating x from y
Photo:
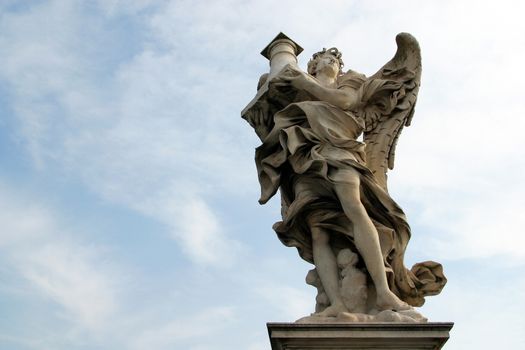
x=128 y=193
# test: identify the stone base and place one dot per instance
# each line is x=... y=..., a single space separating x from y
x=369 y=336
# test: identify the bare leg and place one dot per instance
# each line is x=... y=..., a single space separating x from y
x=366 y=240
x=326 y=265
x=324 y=259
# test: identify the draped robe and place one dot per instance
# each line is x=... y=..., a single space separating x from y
x=305 y=154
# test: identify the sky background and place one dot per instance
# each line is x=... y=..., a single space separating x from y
x=128 y=192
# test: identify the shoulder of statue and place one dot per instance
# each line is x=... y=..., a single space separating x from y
x=351 y=78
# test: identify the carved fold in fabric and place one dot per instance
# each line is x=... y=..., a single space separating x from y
x=311 y=145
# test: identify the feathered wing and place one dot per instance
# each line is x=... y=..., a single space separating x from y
x=388 y=101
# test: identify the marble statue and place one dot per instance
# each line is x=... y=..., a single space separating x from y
x=336 y=209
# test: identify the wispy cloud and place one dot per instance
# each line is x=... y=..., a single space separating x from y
x=497 y=286
x=71 y=278
x=57 y=266
x=183 y=331
x=131 y=139
x=202 y=236
x=139 y=102
x=91 y=291
x=290 y=303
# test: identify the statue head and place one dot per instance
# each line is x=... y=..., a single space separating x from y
x=333 y=54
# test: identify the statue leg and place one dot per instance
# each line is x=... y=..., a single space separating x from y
x=366 y=239
x=324 y=259
x=326 y=266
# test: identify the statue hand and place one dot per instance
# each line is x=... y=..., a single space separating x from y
x=258 y=118
x=291 y=76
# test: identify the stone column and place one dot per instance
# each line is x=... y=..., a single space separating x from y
x=280 y=51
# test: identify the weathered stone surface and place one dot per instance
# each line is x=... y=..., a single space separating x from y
x=336 y=209
x=376 y=336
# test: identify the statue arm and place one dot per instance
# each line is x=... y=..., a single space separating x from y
x=344 y=97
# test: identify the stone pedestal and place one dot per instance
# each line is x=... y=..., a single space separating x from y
x=369 y=336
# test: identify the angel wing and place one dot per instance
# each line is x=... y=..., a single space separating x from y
x=389 y=97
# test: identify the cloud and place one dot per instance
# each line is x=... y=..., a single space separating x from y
x=57 y=266
x=479 y=299
x=119 y=7
x=131 y=136
x=258 y=346
x=21 y=224
x=202 y=235
x=139 y=101
x=65 y=273
x=91 y=293
x=184 y=331
x=290 y=303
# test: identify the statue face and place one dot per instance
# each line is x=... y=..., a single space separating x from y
x=328 y=65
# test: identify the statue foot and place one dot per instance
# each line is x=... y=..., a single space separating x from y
x=332 y=311
x=390 y=301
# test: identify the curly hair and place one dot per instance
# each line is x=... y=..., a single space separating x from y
x=312 y=64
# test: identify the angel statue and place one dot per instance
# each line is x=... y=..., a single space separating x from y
x=336 y=209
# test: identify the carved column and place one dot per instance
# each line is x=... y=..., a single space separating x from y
x=280 y=51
